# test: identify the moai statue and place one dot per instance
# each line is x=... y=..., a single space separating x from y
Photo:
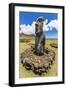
x=39 y=38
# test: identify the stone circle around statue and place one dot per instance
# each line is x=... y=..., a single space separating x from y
x=38 y=64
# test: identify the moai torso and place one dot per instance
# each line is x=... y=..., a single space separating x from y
x=38 y=31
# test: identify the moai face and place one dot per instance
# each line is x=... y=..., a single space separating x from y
x=40 y=25
x=40 y=22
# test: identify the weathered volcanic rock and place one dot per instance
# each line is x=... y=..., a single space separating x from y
x=55 y=45
x=38 y=64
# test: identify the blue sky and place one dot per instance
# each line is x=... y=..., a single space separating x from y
x=28 y=18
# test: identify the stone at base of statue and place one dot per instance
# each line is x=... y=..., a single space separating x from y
x=38 y=53
x=38 y=64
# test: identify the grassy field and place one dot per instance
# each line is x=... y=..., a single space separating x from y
x=27 y=42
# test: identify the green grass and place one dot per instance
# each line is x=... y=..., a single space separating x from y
x=23 y=73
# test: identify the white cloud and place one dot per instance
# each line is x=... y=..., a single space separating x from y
x=45 y=26
x=30 y=29
x=53 y=24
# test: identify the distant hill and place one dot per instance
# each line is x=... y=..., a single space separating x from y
x=21 y=34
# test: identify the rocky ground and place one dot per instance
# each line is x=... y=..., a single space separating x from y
x=38 y=64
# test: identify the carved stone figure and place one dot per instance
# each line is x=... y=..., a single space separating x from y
x=39 y=38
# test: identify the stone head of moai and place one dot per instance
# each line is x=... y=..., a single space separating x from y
x=39 y=22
